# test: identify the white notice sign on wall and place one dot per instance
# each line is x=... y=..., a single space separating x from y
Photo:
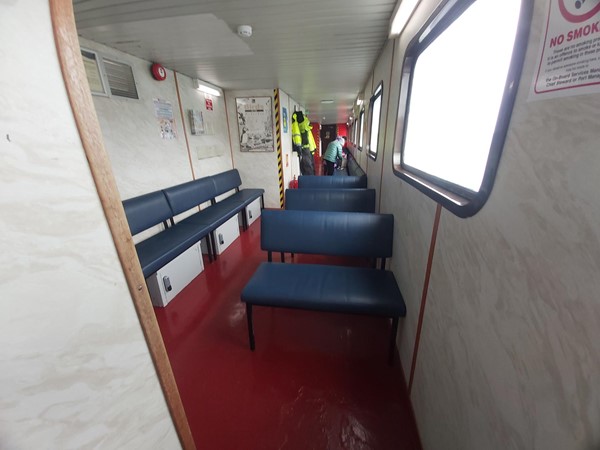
x=569 y=61
x=163 y=110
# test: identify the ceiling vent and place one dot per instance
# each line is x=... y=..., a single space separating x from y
x=120 y=79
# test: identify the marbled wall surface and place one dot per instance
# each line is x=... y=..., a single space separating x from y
x=75 y=371
x=361 y=155
x=381 y=74
x=413 y=221
x=142 y=161
x=210 y=152
x=132 y=134
x=510 y=352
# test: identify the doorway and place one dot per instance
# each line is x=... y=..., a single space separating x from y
x=328 y=134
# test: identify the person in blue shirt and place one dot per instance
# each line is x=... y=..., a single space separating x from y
x=333 y=151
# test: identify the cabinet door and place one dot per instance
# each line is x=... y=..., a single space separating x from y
x=170 y=280
x=226 y=234
x=253 y=211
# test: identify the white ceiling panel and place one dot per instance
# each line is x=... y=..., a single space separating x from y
x=313 y=50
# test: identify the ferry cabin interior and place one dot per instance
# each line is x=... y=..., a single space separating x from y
x=498 y=264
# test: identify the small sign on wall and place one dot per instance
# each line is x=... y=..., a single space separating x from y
x=569 y=54
x=209 y=103
x=196 y=122
x=285 y=119
x=163 y=110
x=93 y=72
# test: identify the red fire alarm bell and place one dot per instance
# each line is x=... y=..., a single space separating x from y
x=158 y=72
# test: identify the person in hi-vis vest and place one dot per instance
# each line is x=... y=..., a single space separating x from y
x=303 y=142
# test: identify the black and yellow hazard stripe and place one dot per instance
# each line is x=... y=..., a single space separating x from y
x=279 y=151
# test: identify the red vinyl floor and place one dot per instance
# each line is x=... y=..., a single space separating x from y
x=315 y=381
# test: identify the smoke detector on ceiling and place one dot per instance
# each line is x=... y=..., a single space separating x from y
x=244 y=30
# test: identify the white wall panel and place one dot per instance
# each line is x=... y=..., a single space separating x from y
x=76 y=372
x=210 y=152
x=413 y=222
x=381 y=73
x=142 y=161
x=510 y=353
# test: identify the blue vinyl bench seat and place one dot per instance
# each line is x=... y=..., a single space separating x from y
x=324 y=182
x=352 y=168
x=357 y=290
x=148 y=210
x=160 y=249
x=318 y=287
x=238 y=201
x=219 y=213
x=189 y=195
x=350 y=200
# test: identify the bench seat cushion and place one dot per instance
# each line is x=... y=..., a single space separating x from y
x=325 y=288
x=219 y=213
x=162 y=248
x=242 y=198
x=350 y=200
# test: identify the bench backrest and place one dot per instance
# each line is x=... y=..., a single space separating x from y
x=353 y=168
x=319 y=182
x=327 y=233
x=189 y=195
x=349 y=200
x=226 y=181
x=146 y=211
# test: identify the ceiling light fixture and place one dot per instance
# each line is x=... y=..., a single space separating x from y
x=400 y=16
x=326 y=101
x=207 y=88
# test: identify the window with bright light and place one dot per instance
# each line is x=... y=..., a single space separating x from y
x=361 y=129
x=375 y=108
x=459 y=81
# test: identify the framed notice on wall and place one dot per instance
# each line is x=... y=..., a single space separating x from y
x=255 y=124
x=196 y=122
x=93 y=72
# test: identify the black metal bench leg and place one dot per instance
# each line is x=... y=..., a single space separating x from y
x=244 y=220
x=393 y=340
x=250 y=326
x=209 y=248
x=214 y=245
